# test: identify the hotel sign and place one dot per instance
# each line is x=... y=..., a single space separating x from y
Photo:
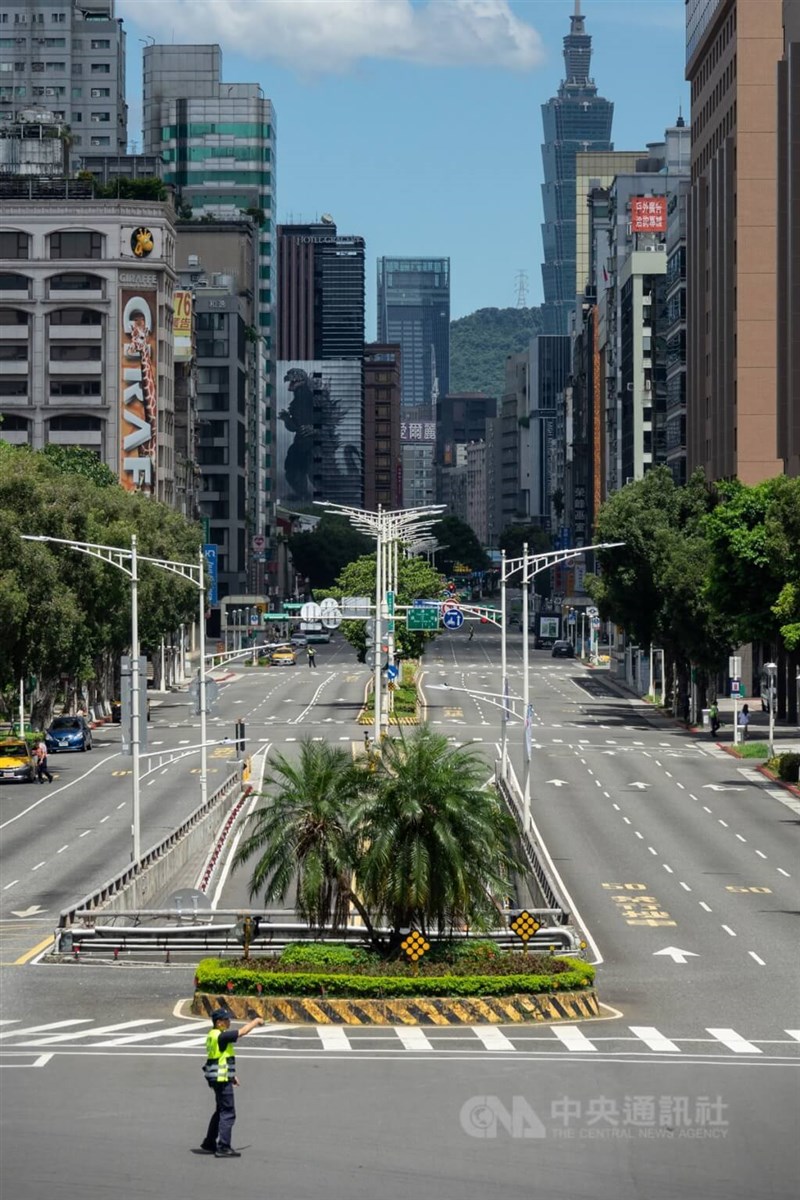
x=138 y=389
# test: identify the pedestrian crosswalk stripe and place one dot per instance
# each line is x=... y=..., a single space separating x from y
x=333 y=1037
x=794 y=1033
x=41 y=1028
x=655 y=1040
x=141 y=1037
x=53 y=1038
x=734 y=1041
x=573 y=1038
x=493 y=1038
x=413 y=1038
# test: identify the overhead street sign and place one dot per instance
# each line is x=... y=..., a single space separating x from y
x=453 y=618
x=330 y=613
x=310 y=611
x=422 y=619
x=447 y=605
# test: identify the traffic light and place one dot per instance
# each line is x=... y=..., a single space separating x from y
x=239 y=735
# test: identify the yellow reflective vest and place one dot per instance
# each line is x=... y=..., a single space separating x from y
x=220 y=1065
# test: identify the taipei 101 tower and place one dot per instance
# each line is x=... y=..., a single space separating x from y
x=575 y=120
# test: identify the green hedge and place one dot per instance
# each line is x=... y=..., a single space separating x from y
x=223 y=978
x=789 y=768
x=318 y=954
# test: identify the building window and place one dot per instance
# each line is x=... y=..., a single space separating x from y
x=68 y=353
x=75 y=316
x=74 y=387
x=13 y=244
x=101 y=68
x=73 y=282
x=10 y=353
x=101 y=118
x=14 y=283
x=76 y=244
x=13 y=387
x=55 y=66
x=98 y=93
x=100 y=141
x=100 y=44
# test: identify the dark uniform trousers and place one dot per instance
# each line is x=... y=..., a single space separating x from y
x=221 y=1124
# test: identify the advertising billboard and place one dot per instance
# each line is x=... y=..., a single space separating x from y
x=320 y=432
x=182 y=325
x=648 y=214
x=138 y=389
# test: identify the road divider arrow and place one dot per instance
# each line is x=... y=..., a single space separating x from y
x=558 y=782
x=722 y=787
x=640 y=786
x=28 y=912
x=678 y=956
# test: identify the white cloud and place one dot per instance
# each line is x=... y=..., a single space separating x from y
x=334 y=35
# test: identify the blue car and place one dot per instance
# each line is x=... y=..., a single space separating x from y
x=68 y=733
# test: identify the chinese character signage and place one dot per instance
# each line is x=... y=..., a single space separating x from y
x=417 y=431
x=138 y=390
x=182 y=325
x=210 y=580
x=649 y=214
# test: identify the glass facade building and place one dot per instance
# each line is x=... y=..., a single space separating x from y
x=320 y=453
x=321 y=293
x=414 y=312
x=575 y=120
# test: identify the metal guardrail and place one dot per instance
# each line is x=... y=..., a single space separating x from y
x=271 y=937
x=509 y=790
x=123 y=878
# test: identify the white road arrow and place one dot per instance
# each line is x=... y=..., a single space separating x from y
x=678 y=956
x=608 y=752
x=721 y=787
x=558 y=782
x=640 y=786
x=28 y=912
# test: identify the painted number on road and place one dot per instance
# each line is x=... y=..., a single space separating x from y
x=760 y=891
x=222 y=751
x=637 y=909
x=454 y=712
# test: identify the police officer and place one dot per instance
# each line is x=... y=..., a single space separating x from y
x=220 y=1073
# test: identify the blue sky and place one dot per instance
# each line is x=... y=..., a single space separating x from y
x=416 y=123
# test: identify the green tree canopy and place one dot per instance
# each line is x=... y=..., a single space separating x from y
x=481 y=342
x=416 y=581
x=321 y=554
x=459 y=545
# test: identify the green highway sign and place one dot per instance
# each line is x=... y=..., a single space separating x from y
x=422 y=619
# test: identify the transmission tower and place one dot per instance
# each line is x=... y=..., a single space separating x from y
x=522 y=289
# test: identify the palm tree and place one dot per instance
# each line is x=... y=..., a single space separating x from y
x=436 y=844
x=302 y=835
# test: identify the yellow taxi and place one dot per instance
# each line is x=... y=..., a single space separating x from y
x=283 y=656
x=16 y=762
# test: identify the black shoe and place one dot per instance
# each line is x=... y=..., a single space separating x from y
x=227 y=1152
x=204 y=1149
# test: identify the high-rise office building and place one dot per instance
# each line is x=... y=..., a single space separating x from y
x=383 y=472
x=414 y=311
x=732 y=52
x=320 y=292
x=789 y=242
x=217 y=141
x=577 y=119
x=66 y=57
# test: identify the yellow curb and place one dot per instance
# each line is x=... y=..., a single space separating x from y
x=420 y=1010
x=37 y=949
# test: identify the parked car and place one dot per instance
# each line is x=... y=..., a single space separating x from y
x=68 y=733
x=562 y=650
x=16 y=761
x=284 y=656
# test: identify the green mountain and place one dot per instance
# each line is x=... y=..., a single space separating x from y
x=481 y=342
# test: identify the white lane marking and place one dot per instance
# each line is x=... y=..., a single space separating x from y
x=492 y=1037
x=760 y=855
x=144 y=1037
x=706 y=808
x=55 y=791
x=734 y=1041
x=793 y=1033
x=104 y=819
x=119 y=806
x=786 y=873
x=692 y=796
x=668 y=775
x=754 y=956
x=226 y=866
x=725 y=823
x=728 y=929
x=41 y=1061
x=38 y=865
x=652 y=851
x=639 y=835
x=680 y=785
x=43 y=1028
x=63 y=848
x=655 y=1040
x=615 y=806
x=627 y=820
x=86 y=833
x=705 y=906
x=414 y=1038
x=51 y=1039
x=667 y=867
x=685 y=886
x=741 y=839
x=574 y=1039
x=333 y=1038
x=9 y=885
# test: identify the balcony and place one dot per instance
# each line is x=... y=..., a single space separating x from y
x=82 y=367
x=76 y=333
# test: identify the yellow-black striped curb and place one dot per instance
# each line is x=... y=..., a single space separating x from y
x=367 y=718
x=421 y=1010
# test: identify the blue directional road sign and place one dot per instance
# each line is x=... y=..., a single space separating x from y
x=210 y=554
x=453 y=618
x=392 y=671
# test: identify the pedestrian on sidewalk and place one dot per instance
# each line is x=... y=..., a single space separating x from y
x=312 y=655
x=220 y=1073
x=40 y=754
x=744 y=721
x=713 y=716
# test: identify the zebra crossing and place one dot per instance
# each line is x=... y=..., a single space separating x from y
x=602 y=1039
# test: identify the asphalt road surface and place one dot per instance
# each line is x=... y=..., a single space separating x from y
x=686 y=1089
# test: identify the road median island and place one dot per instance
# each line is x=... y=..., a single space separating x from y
x=497 y=987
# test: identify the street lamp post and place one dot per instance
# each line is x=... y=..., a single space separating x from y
x=128 y=561
x=772 y=674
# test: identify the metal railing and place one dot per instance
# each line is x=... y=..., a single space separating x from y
x=510 y=791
